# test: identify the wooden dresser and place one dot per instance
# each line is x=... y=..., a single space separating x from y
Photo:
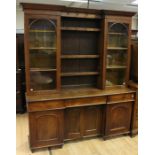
x=77 y=68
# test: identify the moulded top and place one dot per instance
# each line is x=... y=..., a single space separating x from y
x=32 y=6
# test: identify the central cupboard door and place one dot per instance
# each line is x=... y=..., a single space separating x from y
x=92 y=118
x=73 y=121
x=83 y=122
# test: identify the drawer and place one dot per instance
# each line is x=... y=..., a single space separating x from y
x=45 y=105
x=121 y=98
x=78 y=102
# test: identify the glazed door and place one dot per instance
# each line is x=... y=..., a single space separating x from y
x=117 y=49
x=42 y=53
x=46 y=128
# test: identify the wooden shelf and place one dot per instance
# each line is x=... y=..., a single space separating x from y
x=78 y=56
x=116 y=33
x=116 y=67
x=42 y=48
x=117 y=48
x=79 y=73
x=80 y=29
x=41 y=69
x=41 y=31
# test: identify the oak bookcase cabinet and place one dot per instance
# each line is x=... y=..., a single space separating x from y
x=77 y=69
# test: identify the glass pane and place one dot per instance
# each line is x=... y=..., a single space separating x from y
x=42 y=59
x=116 y=58
x=43 y=80
x=117 y=41
x=42 y=34
x=118 y=35
x=115 y=77
x=42 y=40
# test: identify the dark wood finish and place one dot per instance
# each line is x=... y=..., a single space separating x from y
x=20 y=73
x=134 y=61
x=119 y=13
x=133 y=83
x=118 y=117
x=79 y=102
x=120 y=98
x=30 y=6
x=73 y=122
x=122 y=20
x=79 y=56
x=134 y=125
x=80 y=29
x=78 y=93
x=79 y=73
x=46 y=128
x=77 y=108
x=83 y=122
x=92 y=121
x=19 y=103
x=45 y=105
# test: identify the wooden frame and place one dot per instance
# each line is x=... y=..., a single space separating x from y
x=125 y=20
x=81 y=74
x=26 y=41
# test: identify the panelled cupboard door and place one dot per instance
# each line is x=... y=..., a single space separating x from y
x=73 y=123
x=118 y=118
x=92 y=119
x=46 y=128
x=83 y=122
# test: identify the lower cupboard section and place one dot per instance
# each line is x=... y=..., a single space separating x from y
x=50 y=128
x=83 y=122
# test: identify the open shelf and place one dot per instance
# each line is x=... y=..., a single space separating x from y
x=117 y=48
x=42 y=48
x=78 y=86
x=116 y=33
x=41 y=31
x=79 y=73
x=80 y=29
x=41 y=69
x=79 y=81
x=116 y=67
x=80 y=56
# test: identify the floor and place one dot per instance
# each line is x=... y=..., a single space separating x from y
x=118 y=146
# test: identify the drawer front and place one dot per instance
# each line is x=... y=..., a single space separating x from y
x=121 y=97
x=85 y=101
x=45 y=105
